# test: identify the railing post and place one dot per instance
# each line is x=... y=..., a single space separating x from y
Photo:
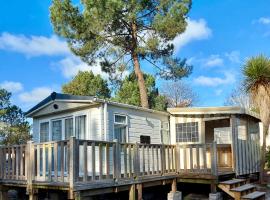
x=214 y=159
x=163 y=159
x=117 y=160
x=136 y=161
x=73 y=165
x=177 y=158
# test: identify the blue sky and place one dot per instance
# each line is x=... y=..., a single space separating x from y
x=220 y=36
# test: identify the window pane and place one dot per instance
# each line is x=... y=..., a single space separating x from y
x=57 y=130
x=120 y=119
x=68 y=128
x=44 y=132
x=120 y=133
x=187 y=132
x=80 y=126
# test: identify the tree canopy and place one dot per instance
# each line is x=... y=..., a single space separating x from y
x=14 y=129
x=129 y=92
x=87 y=84
x=115 y=32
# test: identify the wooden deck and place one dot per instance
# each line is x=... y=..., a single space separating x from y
x=86 y=168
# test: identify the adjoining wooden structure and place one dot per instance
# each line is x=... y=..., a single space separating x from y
x=235 y=130
x=114 y=166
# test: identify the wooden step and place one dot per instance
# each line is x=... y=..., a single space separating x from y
x=233 y=181
x=254 y=195
x=243 y=188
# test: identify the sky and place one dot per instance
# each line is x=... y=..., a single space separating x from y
x=219 y=38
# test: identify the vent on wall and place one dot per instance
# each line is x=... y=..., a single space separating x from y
x=145 y=139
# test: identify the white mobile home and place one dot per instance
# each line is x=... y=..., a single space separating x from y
x=60 y=116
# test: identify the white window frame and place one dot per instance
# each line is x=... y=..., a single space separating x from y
x=41 y=122
x=62 y=118
x=62 y=127
x=165 y=129
x=125 y=124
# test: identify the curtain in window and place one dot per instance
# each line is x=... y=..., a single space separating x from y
x=57 y=130
x=44 y=132
x=120 y=133
x=80 y=126
x=68 y=128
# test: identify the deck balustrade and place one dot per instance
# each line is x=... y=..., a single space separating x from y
x=74 y=164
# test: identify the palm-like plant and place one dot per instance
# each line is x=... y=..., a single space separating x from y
x=257 y=83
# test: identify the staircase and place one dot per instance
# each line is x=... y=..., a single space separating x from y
x=240 y=189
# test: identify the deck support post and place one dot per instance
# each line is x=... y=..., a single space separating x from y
x=3 y=192
x=139 y=188
x=33 y=194
x=132 y=192
x=174 y=194
x=213 y=187
x=174 y=185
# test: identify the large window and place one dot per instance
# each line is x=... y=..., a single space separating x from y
x=187 y=132
x=120 y=127
x=56 y=130
x=68 y=128
x=80 y=127
x=44 y=132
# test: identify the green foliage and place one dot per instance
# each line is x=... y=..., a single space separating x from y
x=129 y=93
x=115 y=32
x=87 y=84
x=256 y=71
x=14 y=129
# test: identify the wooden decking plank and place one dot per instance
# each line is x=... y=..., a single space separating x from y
x=243 y=188
x=233 y=181
x=253 y=195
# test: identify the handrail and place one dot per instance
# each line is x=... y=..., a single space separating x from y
x=75 y=160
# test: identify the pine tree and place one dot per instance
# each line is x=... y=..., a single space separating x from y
x=115 y=32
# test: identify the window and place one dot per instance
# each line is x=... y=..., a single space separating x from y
x=145 y=139
x=80 y=126
x=56 y=130
x=44 y=132
x=165 y=135
x=120 y=127
x=187 y=132
x=120 y=119
x=68 y=128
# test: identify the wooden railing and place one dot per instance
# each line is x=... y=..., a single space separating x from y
x=82 y=161
x=198 y=158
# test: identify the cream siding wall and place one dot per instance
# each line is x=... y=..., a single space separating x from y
x=139 y=123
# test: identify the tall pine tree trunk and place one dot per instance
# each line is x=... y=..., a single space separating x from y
x=137 y=68
x=263 y=152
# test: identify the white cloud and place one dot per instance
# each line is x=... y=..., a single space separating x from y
x=71 y=65
x=196 y=30
x=215 y=81
x=35 y=95
x=233 y=56
x=33 y=45
x=264 y=20
x=12 y=86
x=214 y=60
